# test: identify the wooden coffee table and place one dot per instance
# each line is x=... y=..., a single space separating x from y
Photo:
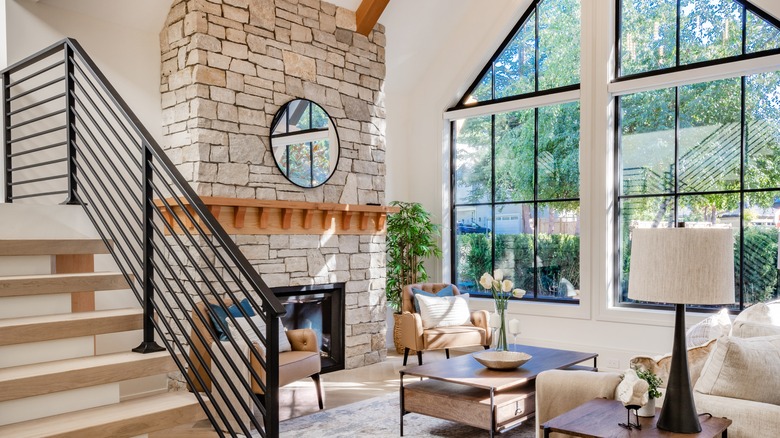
x=462 y=390
x=600 y=417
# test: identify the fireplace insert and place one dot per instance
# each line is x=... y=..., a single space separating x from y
x=320 y=308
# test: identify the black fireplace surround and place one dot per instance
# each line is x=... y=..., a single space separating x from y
x=320 y=308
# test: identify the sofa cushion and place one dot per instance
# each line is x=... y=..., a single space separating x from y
x=743 y=368
x=446 y=292
x=218 y=314
x=294 y=364
x=660 y=365
x=244 y=326
x=761 y=319
x=444 y=311
x=453 y=337
x=710 y=328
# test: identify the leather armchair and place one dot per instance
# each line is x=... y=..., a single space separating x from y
x=302 y=362
x=415 y=338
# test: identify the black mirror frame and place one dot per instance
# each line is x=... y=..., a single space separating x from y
x=332 y=122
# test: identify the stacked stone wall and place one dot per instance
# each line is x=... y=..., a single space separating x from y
x=227 y=68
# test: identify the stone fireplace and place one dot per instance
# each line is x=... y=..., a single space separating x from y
x=227 y=68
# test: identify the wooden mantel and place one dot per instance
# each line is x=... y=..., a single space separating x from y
x=252 y=216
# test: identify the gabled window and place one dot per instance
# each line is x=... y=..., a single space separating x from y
x=705 y=152
x=671 y=34
x=541 y=53
x=515 y=180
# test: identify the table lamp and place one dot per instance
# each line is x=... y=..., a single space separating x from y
x=681 y=266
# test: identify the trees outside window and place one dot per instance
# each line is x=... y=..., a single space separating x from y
x=515 y=174
x=704 y=153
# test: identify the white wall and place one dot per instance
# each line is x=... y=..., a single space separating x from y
x=129 y=56
x=417 y=160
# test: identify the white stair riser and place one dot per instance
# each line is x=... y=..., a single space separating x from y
x=22 y=221
x=31 y=408
x=115 y=299
x=143 y=386
x=36 y=305
x=25 y=265
x=118 y=342
x=46 y=351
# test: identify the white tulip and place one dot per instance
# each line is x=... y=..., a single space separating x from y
x=507 y=285
x=486 y=281
x=514 y=327
x=496 y=285
x=498 y=274
x=495 y=320
x=518 y=293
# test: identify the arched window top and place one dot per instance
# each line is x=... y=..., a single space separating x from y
x=541 y=53
x=657 y=35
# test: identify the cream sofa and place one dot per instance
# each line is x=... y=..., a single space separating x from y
x=738 y=364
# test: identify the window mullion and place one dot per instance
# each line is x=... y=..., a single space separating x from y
x=742 y=157
x=536 y=204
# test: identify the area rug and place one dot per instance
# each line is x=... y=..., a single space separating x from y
x=379 y=417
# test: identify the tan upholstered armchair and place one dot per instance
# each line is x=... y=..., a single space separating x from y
x=302 y=362
x=414 y=337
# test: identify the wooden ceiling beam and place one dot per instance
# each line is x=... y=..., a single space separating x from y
x=368 y=14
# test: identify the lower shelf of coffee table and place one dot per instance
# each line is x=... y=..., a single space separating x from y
x=469 y=405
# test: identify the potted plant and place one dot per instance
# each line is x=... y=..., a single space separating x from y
x=411 y=237
x=654 y=382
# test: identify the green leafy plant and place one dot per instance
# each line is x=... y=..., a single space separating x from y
x=411 y=237
x=652 y=380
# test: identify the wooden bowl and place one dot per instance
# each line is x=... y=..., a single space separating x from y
x=502 y=360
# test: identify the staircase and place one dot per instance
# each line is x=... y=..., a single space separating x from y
x=66 y=367
x=67 y=393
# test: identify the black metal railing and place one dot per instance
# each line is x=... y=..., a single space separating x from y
x=70 y=138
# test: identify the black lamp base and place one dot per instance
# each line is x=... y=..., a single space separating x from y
x=678 y=413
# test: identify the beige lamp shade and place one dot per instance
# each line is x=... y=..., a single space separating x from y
x=682 y=265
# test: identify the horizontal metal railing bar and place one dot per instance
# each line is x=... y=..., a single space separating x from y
x=122 y=123
x=137 y=163
x=32 y=75
x=32 y=59
x=38 y=134
x=41 y=164
x=38 y=103
x=38 y=88
x=42 y=148
x=37 y=119
x=196 y=224
x=35 y=195
x=117 y=228
x=116 y=194
x=105 y=156
x=45 y=178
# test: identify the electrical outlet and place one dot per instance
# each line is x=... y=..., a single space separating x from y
x=612 y=363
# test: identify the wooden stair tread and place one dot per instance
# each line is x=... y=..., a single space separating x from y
x=23 y=285
x=68 y=325
x=17 y=247
x=125 y=419
x=62 y=375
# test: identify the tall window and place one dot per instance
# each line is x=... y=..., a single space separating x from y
x=515 y=174
x=706 y=153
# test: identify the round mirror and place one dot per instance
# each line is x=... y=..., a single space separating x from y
x=305 y=143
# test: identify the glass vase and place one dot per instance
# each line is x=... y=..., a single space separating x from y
x=501 y=339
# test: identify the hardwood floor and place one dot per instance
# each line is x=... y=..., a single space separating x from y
x=340 y=387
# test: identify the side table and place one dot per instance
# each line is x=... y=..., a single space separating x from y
x=599 y=418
